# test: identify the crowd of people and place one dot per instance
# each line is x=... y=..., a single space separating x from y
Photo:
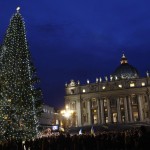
x=130 y=139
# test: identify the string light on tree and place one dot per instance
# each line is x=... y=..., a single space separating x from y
x=20 y=96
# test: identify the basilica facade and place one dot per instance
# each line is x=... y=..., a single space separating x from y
x=123 y=97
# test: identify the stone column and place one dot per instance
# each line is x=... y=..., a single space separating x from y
x=109 y=111
x=89 y=112
x=126 y=110
x=79 y=113
x=102 y=111
x=140 y=110
x=130 y=109
x=118 y=111
x=98 y=111
x=148 y=100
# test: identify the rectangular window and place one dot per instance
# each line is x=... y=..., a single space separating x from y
x=95 y=119
x=113 y=103
x=145 y=99
x=134 y=100
x=73 y=105
x=72 y=91
x=84 y=105
x=105 y=102
x=135 y=116
x=132 y=85
x=106 y=119
x=94 y=103
x=121 y=101
x=94 y=111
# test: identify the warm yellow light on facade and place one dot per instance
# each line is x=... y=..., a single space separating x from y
x=120 y=85
x=132 y=85
x=62 y=111
x=143 y=83
x=67 y=106
x=67 y=112
x=103 y=87
x=83 y=90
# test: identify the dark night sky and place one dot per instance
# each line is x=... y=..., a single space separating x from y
x=80 y=39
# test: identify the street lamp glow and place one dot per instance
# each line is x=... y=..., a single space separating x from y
x=67 y=112
x=67 y=107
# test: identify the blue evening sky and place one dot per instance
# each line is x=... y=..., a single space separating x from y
x=81 y=39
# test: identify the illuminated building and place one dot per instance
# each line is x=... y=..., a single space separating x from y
x=121 y=98
x=46 y=119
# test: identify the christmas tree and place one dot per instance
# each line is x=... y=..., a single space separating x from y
x=20 y=96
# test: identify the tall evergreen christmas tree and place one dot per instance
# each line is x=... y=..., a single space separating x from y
x=20 y=96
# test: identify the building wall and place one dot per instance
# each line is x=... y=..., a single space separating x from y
x=47 y=116
x=115 y=101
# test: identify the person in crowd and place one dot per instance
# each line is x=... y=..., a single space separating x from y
x=129 y=139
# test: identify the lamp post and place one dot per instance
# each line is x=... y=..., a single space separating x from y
x=67 y=113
